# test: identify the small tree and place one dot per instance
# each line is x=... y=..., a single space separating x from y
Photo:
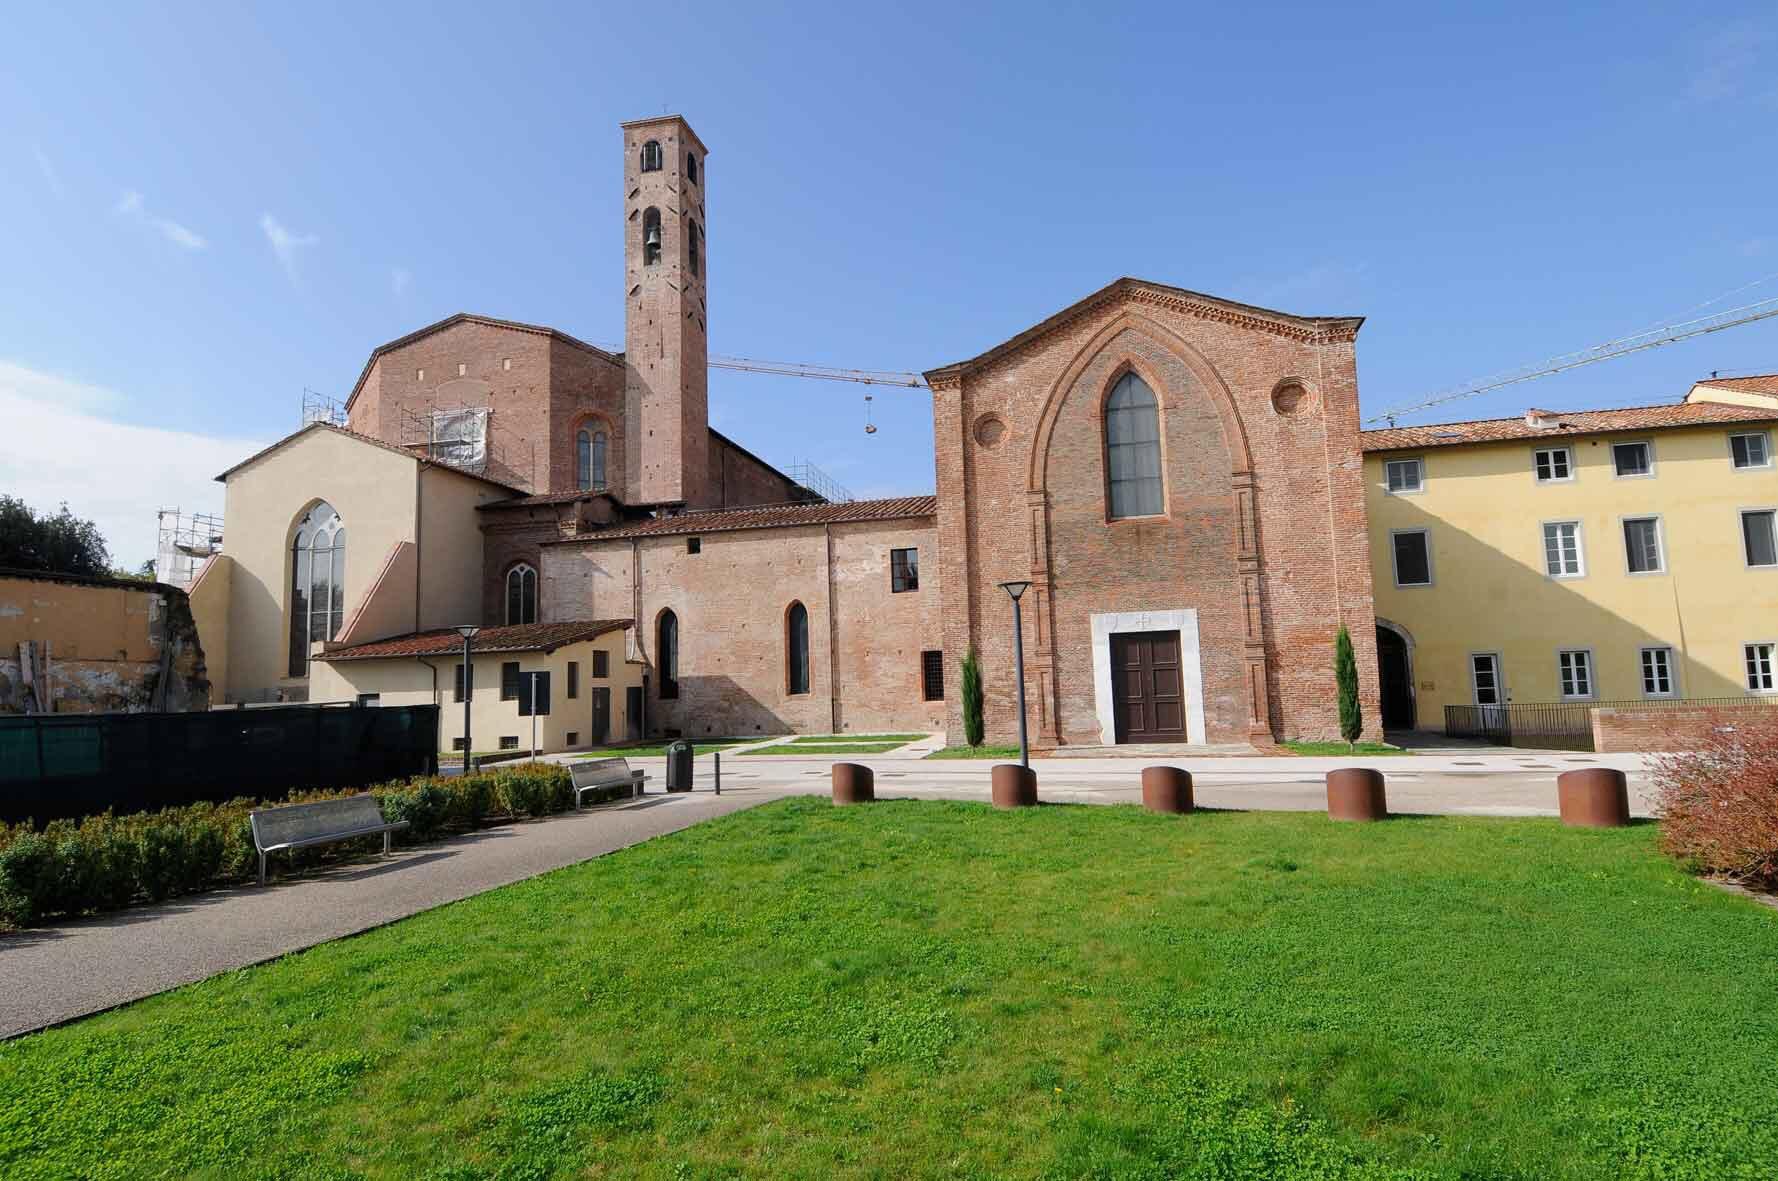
x=62 y=544
x=972 y=700
x=1346 y=678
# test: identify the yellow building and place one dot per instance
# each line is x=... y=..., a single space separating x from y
x=567 y=685
x=1600 y=555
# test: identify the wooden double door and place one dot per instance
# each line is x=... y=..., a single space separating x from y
x=1147 y=687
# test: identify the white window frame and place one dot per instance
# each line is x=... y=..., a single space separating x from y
x=1419 y=461
x=1672 y=689
x=1765 y=439
x=1771 y=663
x=1567 y=451
x=1647 y=443
x=1580 y=549
x=1395 y=569
x=1592 y=674
x=1660 y=544
x=1741 y=528
x=1475 y=696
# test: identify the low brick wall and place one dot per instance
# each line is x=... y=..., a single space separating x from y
x=1620 y=731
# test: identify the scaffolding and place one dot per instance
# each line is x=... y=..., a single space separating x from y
x=318 y=407
x=471 y=439
x=187 y=541
x=817 y=483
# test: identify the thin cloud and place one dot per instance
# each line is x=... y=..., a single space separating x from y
x=58 y=435
x=284 y=242
x=399 y=281
x=130 y=205
x=1731 y=60
x=50 y=176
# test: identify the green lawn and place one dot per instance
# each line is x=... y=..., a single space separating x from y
x=927 y=989
x=1340 y=748
x=975 y=752
x=816 y=750
x=699 y=746
x=822 y=739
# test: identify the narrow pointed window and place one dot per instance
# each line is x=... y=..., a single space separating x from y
x=583 y=460
x=666 y=654
x=521 y=594
x=651 y=156
x=651 y=236
x=796 y=649
x=1133 y=450
x=695 y=241
x=598 y=460
x=317 y=583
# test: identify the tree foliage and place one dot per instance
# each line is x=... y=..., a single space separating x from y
x=972 y=699
x=58 y=544
x=1346 y=678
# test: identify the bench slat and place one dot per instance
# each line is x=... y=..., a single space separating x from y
x=321 y=820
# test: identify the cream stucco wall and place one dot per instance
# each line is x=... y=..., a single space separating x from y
x=568 y=725
x=210 y=593
x=1484 y=512
x=1705 y=392
x=378 y=493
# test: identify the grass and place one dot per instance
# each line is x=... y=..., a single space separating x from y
x=936 y=989
x=699 y=746
x=975 y=752
x=826 y=748
x=821 y=739
x=1340 y=748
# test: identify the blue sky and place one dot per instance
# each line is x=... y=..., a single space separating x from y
x=208 y=208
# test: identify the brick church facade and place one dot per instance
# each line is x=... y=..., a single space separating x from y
x=1177 y=476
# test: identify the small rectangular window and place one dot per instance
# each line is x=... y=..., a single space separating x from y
x=904 y=570
x=370 y=699
x=1552 y=464
x=419 y=375
x=458 y=743
x=509 y=681
x=601 y=664
x=694 y=545
x=457 y=682
x=509 y=742
x=1484 y=671
x=1561 y=550
x=1405 y=475
x=1412 y=550
x=1751 y=450
x=534 y=695
x=1642 y=545
x=1759 y=537
x=932 y=675
x=1760 y=672
x=1657 y=672
x=573 y=738
x=1576 y=668
x=573 y=679
x=1632 y=459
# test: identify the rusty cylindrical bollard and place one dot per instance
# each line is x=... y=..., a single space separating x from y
x=1593 y=797
x=1356 y=793
x=1014 y=786
x=1166 y=789
x=853 y=784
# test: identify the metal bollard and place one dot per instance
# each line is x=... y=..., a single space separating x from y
x=718 y=757
x=1356 y=793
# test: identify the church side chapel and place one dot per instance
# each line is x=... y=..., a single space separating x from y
x=1183 y=471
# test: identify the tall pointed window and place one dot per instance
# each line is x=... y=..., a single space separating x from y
x=317 y=583
x=796 y=649
x=695 y=241
x=521 y=594
x=651 y=156
x=651 y=236
x=666 y=654
x=1133 y=449
x=589 y=459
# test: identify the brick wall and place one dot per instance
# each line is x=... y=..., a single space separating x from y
x=731 y=601
x=1628 y=730
x=1264 y=535
x=738 y=478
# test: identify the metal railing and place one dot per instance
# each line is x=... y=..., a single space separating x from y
x=1564 y=725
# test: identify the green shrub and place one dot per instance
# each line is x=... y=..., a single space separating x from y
x=973 y=727
x=1346 y=680
x=424 y=806
x=30 y=878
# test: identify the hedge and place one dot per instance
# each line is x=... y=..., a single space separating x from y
x=105 y=862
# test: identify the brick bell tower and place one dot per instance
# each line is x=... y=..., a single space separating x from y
x=666 y=355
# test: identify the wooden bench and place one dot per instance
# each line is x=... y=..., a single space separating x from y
x=297 y=826
x=595 y=774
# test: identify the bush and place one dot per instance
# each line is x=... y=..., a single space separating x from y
x=1719 y=804
x=1346 y=681
x=973 y=727
x=105 y=861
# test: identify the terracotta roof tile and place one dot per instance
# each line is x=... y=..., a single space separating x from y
x=766 y=517
x=1759 y=383
x=472 y=318
x=374 y=442
x=525 y=637
x=1567 y=424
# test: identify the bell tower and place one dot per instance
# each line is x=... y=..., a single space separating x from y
x=666 y=357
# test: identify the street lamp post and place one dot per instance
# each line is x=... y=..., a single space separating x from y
x=467 y=631
x=1014 y=590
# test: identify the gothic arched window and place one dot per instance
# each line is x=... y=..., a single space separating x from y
x=1133 y=450
x=589 y=459
x=796 y=649
x=651 y=156
x=666 y=654
x=521 y=594
x=651 y=236
x=317 y=582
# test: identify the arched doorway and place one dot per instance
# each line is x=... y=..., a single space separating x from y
x=1395 y=676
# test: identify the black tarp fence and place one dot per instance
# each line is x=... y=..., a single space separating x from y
x=65 y=765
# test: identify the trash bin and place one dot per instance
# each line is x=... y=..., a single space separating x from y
x=679 y=766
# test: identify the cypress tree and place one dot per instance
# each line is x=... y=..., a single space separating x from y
x=1346 y=677
x=972 y=699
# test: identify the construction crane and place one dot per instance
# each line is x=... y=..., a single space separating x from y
x=1650 y=338
x=821 y=372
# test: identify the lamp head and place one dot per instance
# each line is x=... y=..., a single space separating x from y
x=1016 y=588
x=466 y=630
